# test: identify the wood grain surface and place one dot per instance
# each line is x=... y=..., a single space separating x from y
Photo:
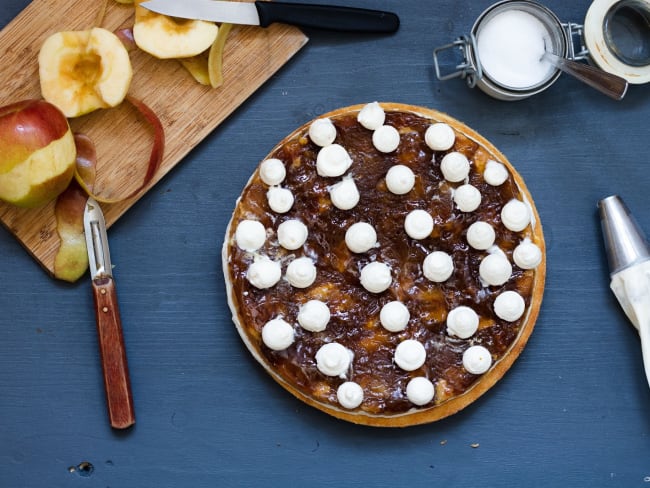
x=187 y=110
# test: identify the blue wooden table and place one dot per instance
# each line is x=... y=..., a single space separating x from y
x=573 y=411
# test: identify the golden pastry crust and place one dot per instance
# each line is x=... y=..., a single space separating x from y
x=355 y=311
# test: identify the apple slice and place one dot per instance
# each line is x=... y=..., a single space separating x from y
x=37 y=153
x=71 y=260
x=207 y=67
x=170 y=37
x=82 y=71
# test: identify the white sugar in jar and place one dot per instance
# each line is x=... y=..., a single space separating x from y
x=510 y=46
x=502 y=54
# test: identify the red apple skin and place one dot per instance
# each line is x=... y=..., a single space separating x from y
x=25 y=127
x=37 y=153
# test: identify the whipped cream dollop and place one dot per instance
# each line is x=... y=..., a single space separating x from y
x=277 y=334
x=462 y=322
x=292 y=234
x=527 y=255
x=361 y=237
x=467 y=198
x=301 y=272
x=495 y=269
x=410 y=355
x=349 y=394
x=438 y=266
x=314 y=316
x=439 y=137
x=394 y=316
x=272 y=171
x=454 y=167
x=400 y=179
x=385 y=139
x=372 y=116
x=420 y=391
x=264 y=273
x=333 y=160
x=250 y=235
x=495 y=173
x=376 y=277
x=418 y=224
x=280 y=199
x=477 y=359
x=322 y=132
x=481 y=235
x=334 y=359
x=509 y=306
x=515 y=215
x=345 y=194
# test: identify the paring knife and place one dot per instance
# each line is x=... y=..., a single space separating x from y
x=264 y=13
x=109 y=325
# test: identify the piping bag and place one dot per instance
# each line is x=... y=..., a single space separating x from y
x=628 y=254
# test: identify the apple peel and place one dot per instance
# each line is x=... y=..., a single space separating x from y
x=126 y=36
x=155 y=157
x=207 y=67
x=197 y=66
x=71 y=260
x=215 y=58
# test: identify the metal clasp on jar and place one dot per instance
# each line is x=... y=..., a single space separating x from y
x=469 y=68
x=575 y=33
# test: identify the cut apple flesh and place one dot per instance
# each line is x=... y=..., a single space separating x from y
x=82 y=71
x=71 y=260
x=46 y=173
x=169 y=37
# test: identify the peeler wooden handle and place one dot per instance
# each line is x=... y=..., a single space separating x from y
x=113 y=354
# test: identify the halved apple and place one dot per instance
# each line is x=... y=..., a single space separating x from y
x=37 y=153
x=170 y=37
x=82 y=71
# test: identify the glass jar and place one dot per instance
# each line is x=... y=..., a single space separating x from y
x=511 y=34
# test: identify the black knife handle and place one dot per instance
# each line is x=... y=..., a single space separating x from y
x=113 y=354
x=329 y=17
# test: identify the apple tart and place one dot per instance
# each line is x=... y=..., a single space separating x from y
x=385 y=264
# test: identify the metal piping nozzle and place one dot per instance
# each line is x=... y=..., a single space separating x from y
x=625 y=242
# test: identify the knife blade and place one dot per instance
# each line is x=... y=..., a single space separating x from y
x=264 y=13
x=112 y=351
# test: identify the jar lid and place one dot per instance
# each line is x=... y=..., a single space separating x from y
x=599 y=47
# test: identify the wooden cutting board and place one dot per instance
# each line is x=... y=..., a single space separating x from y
x=188 y=111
